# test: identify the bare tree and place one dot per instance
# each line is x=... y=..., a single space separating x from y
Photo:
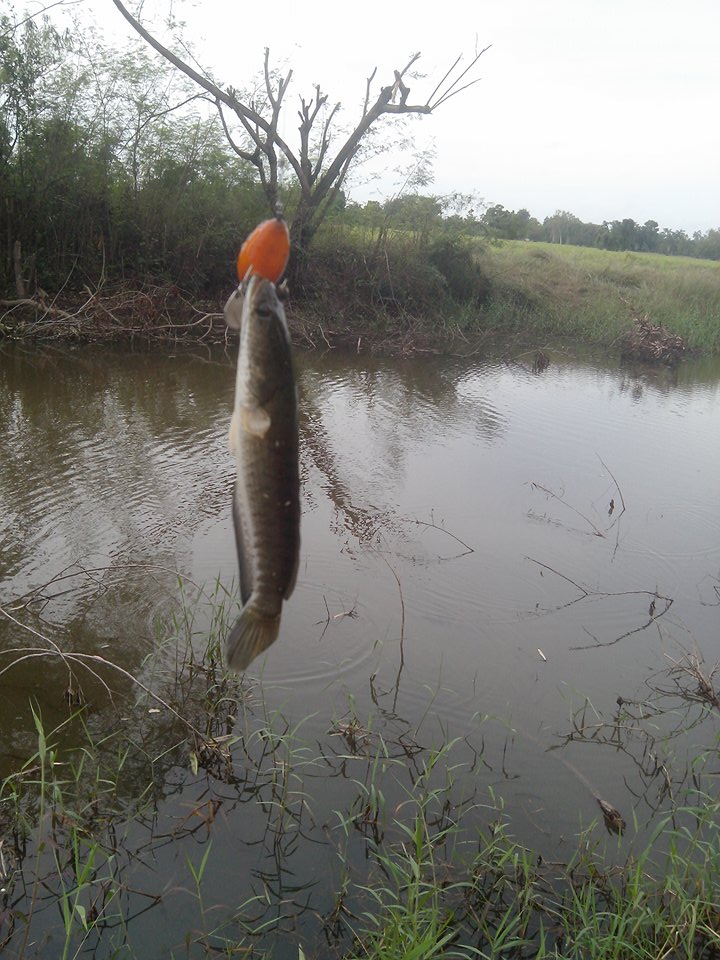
x=319 y=175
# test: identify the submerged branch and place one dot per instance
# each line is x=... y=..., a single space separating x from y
x=556 y=496
x=435 y=526
x=654 y=614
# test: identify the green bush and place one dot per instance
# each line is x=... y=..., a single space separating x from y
x=465 y=281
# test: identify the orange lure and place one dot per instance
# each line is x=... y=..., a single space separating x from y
x=265 y=252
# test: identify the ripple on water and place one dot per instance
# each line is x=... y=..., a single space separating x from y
x=146 y=474
x=383 y=624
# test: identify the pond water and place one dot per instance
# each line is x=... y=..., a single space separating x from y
x=492 y=557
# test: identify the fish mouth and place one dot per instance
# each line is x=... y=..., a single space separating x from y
x=254 y=295
x=261 y=298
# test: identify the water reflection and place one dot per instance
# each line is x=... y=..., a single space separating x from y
x=359 y=429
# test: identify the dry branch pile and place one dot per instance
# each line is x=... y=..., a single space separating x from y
x=650 y=342
x=112 y=312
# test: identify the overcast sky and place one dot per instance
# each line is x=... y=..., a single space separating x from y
x=605 y=108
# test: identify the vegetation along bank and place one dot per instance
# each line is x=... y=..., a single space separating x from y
x=125 y=221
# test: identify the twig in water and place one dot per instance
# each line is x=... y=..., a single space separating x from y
x=617 y=486
x=434 y=526
x=402 y=599
x=653 y=613
x=322 y=334
x=692 y=666
x=402 y=631
x=653 y=616
x=556 y=496
x=68 y=573
x=84 y=659
x=352 y=613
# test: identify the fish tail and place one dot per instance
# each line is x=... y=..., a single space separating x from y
x=251 y=635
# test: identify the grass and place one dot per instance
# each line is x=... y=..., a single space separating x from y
x=415 y=860
x=507 y=902
x=396 y=287
x=595 y=294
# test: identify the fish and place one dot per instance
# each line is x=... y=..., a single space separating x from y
x=264 y=440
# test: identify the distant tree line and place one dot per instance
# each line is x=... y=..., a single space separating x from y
x=564 y=227
x=424 y=216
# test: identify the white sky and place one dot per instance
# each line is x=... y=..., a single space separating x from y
x=605 y=108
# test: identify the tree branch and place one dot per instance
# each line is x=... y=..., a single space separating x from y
x=453 y=88
x=318 y=187
x=254 y=157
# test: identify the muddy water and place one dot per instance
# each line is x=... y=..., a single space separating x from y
x=487 y=554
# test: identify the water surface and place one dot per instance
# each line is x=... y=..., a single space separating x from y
x=486 y=552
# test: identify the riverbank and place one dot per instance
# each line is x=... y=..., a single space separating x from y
x=398 y=295
x=595 y=295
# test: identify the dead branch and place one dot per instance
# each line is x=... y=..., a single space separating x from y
x=650 y=342
x=555 y=496
x=693 y=666
x=654 y=614
x=653 y=617
x=151 y=312
x=316 y=180
x=435 y=526
x=39 y=306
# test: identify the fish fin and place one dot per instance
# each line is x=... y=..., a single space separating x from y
x=249 y=637
x=255 y=420
x=246 y=579
x=234 y=308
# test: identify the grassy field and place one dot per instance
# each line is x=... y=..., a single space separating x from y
x=398 y=285
x=596 y=294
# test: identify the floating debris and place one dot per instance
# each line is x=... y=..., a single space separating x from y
x=614 y=822
x=650 y=342
x=541 y=361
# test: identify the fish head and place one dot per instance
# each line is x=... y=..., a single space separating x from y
x=262 y=298
x=261 y=295
x=265 y=338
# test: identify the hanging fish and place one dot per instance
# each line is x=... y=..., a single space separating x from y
x=264 y=440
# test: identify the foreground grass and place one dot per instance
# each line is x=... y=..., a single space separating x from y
x=431 y=892
x=88 y=817
x=663 y=903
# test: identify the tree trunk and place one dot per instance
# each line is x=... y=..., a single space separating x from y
x=302 y=231
x=20 y=289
